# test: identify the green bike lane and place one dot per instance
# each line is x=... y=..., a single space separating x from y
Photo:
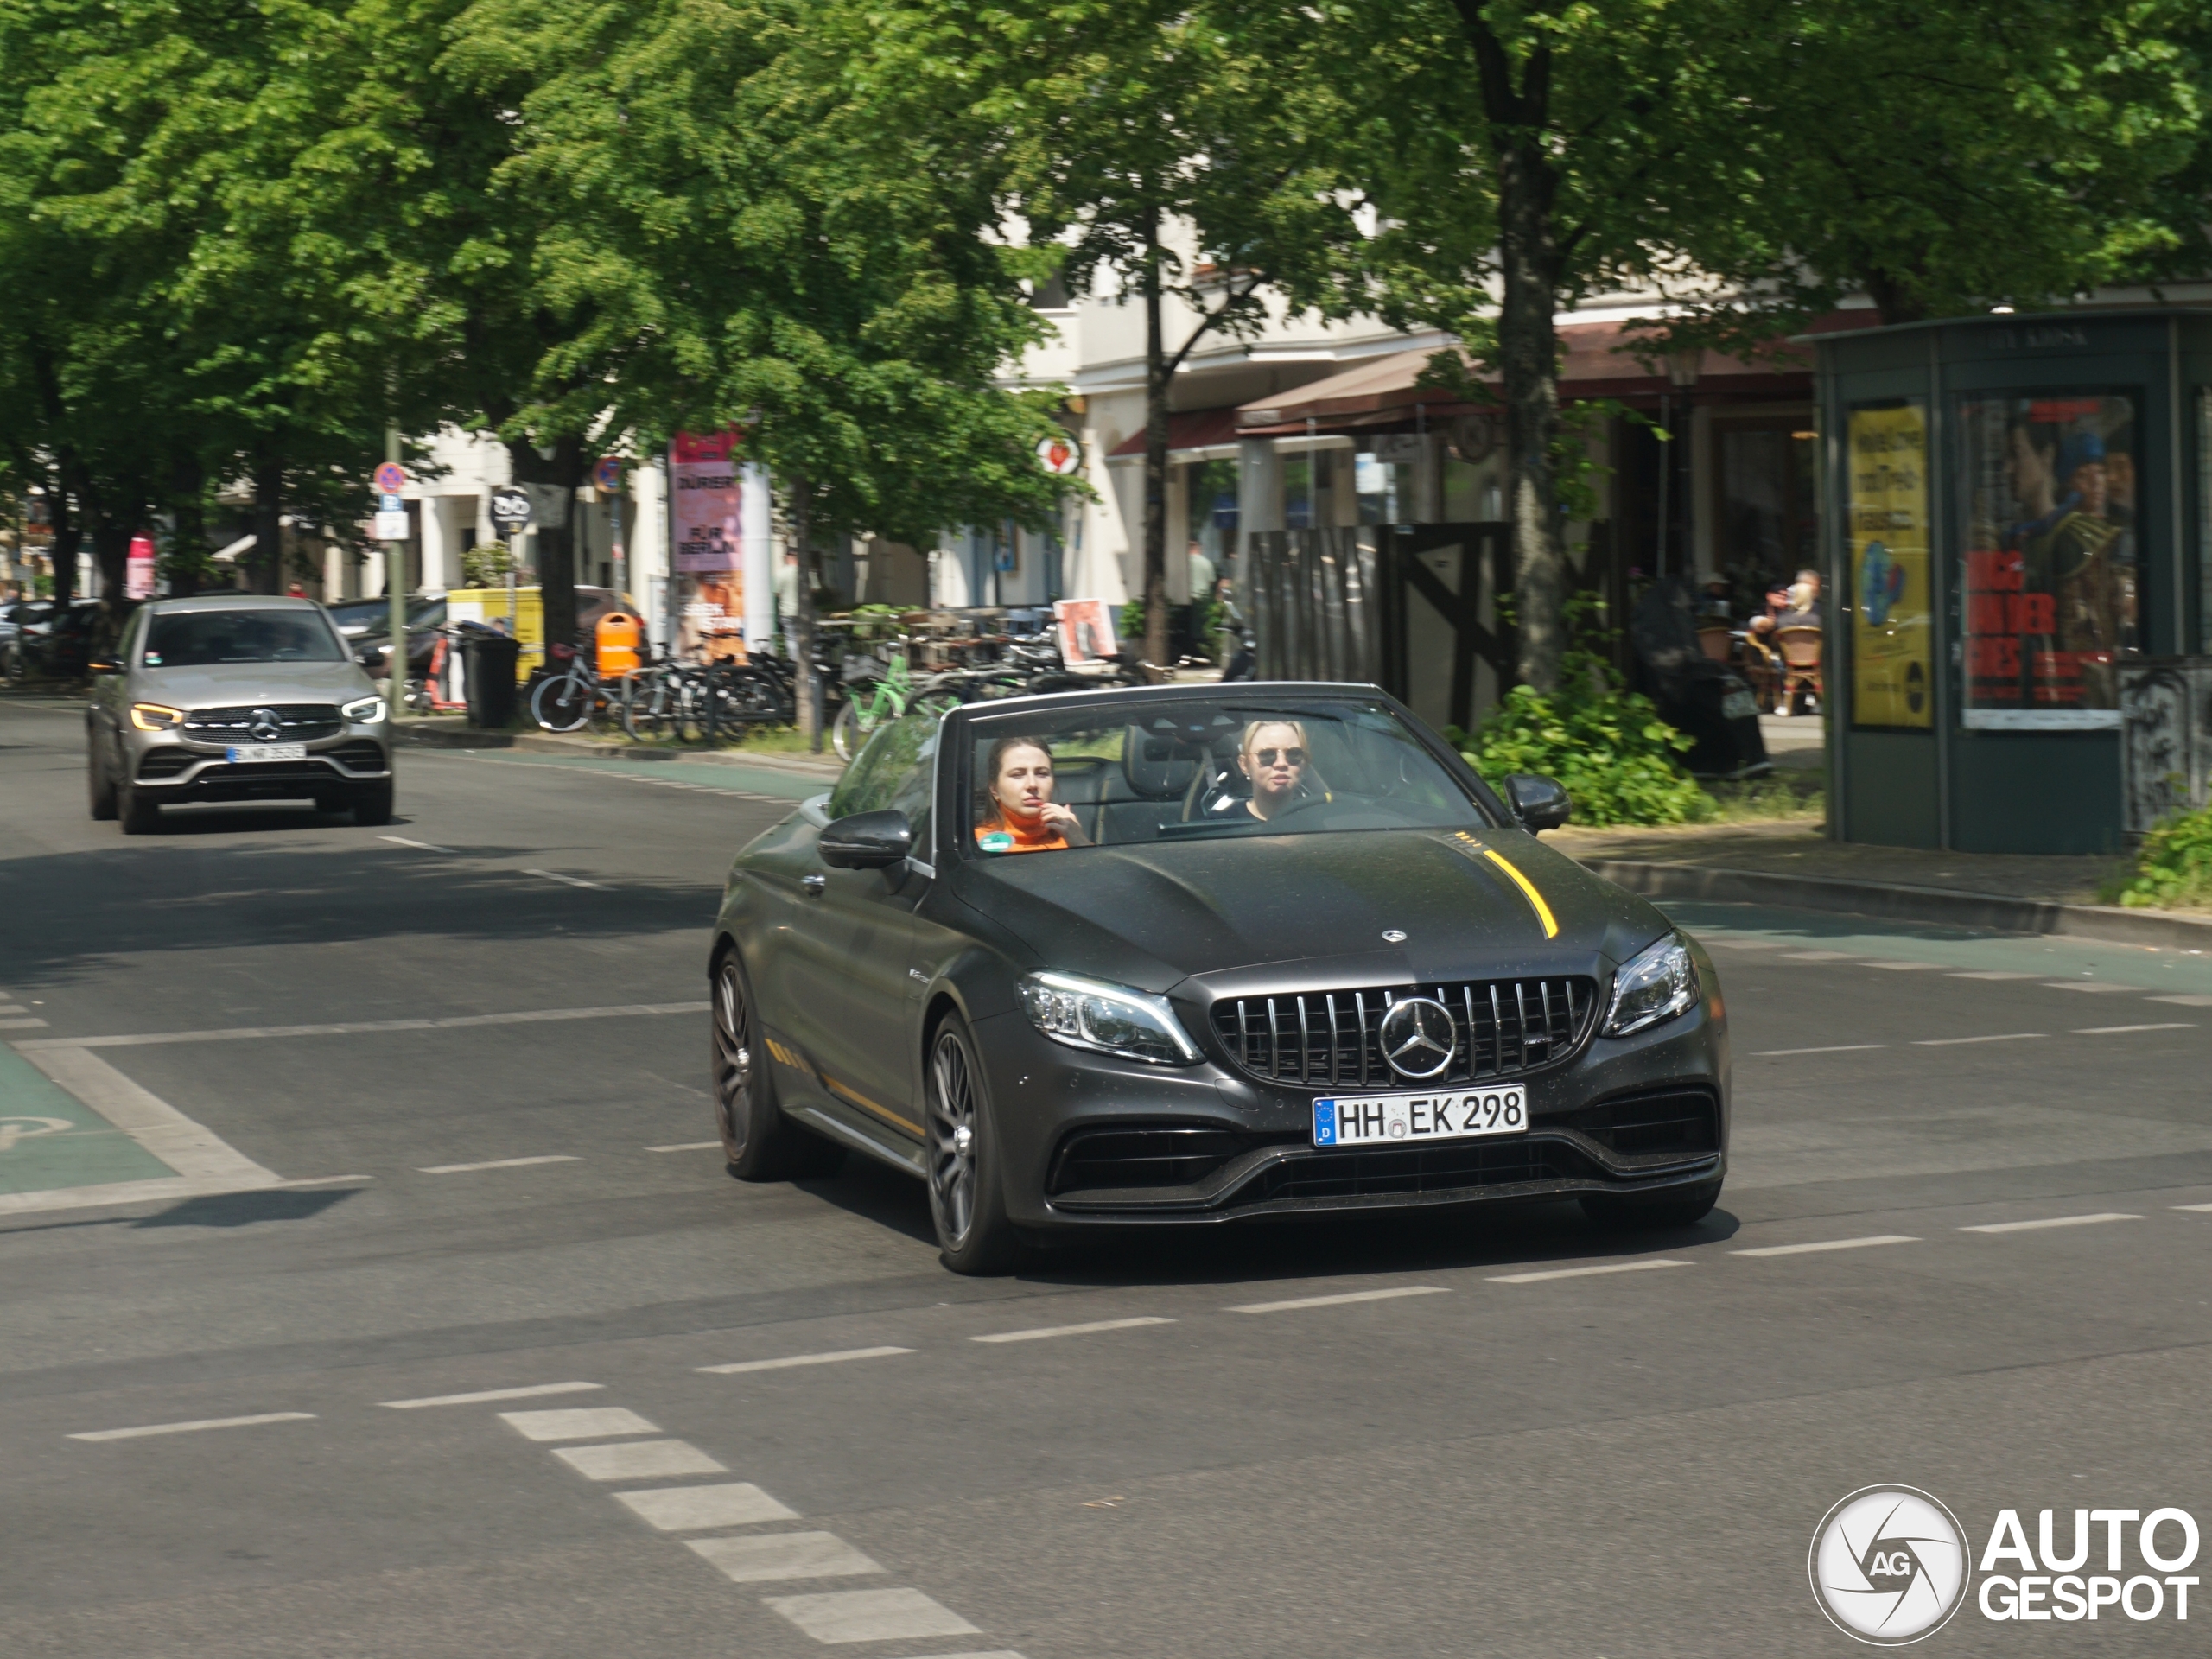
x=49 y=1140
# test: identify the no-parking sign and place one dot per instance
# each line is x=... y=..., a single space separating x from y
x=392 y=478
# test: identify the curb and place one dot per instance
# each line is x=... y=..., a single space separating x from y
x=1985 y=909
x=551 y=743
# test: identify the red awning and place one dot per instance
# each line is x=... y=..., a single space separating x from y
x=1190 y=429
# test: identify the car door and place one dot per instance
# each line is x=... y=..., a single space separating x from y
x=848 y=996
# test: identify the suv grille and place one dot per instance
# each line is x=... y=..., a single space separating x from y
x=1334 y=1037
x=302 y=722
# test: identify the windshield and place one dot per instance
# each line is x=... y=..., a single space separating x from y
x=1204 y=770
x=203 y=638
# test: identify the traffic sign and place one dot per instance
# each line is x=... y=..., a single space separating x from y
x=391 y=527
x=1061 y=455
x=607 y=475
x=511 y=509
x=391 y=478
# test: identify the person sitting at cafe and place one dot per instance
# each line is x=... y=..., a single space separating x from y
x=1018 y=813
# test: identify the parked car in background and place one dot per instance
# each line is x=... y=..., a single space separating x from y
x=51 y=640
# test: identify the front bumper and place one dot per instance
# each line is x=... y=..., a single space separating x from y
x=1091 y=1141
x=171 y=769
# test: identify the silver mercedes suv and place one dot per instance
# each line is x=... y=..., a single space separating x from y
x=234 y=697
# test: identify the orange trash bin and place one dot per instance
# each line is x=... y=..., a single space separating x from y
x=616 y=641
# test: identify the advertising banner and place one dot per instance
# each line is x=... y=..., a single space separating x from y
x=706 y=532
x=138 y=568
x=2050 y=558
x=1890 y=597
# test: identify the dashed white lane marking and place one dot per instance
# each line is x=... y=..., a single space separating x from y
x=690 y=1146
x=420 y=846
x=569 y=881
x=695 y=1509
x=839 y=1615
x=1990 y=973
x=1043 y=1331
x=2200 y=1209
x=639 y=1460
x=786 y=1363
x=2191 y=1001
x=497 y=1163
x=1868 y=1242
x=1833 y=1048
x=2050 y=1221
x=1340 y=1300
x=1582 y=1273
x=358 y=1028
x=2094 y=985
x=2117 y=1031
x=577 y=1423
x=1902 y=967
x=1953 y=1042
x=1816 y=956
x=22 y=1024
x=485 y=1397
x=783 y=1555
x=193 y=1427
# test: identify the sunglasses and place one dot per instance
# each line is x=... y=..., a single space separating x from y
x=1290 y=757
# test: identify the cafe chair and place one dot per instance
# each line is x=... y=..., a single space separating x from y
x=1801 y=665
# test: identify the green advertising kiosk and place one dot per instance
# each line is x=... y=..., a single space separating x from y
x=2011 y=507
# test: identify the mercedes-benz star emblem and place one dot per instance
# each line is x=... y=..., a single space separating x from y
x=265 y=725
x=1394 y=936
x=1417 y=1037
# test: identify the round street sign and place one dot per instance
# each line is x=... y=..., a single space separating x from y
x=607 y=475
x=391 y=478
x=1060 y=455
x=510 y=508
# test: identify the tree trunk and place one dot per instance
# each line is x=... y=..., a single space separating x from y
x=1156 y=382
x=557 y=563
x=1529 y=261
x=808 y=688
x=68 y=527
x=265 y=572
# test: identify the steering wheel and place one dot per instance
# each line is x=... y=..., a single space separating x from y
x=1303 y=803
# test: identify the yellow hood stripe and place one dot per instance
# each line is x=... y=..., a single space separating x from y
x=1528 y=891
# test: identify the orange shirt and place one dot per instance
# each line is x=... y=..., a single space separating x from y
x=999 y=837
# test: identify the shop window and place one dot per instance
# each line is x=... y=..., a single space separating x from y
x=1210 y=491
x=1764 y=524
x=1385 y=489
x=2050 y=557
x=1308 y=490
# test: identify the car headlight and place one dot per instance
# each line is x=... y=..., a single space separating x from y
x=1657 y=983
x=364 y=711
x=156 y=717
x=1110 y=1018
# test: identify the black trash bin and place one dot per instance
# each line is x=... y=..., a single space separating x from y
x=491 y=659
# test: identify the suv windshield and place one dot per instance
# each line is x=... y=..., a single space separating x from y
x=202 y=639
x=1204 y=770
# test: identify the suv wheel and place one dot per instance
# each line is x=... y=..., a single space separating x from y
x=99 y=783
x=140 y=812
x=373 y=804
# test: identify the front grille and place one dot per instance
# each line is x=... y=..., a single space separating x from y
x=363 y=755
x=300 y=723
x=1448 y=1168
x=1152 y=1155
x=1661 y=1122
x=164 y=763
x=1332 y=1037
x=268 y=771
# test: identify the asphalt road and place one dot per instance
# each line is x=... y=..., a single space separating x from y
x=1487 y=1434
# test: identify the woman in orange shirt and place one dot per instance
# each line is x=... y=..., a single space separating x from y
x=1019 y=814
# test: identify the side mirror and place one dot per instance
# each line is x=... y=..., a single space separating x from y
x=867 y=840
x=1540 y=803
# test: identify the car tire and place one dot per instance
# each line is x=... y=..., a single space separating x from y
x=372 y=805
x=966 y=1183
x=1618 y=1213
x=100 y=782
x=141 y=814
x=759 y=1142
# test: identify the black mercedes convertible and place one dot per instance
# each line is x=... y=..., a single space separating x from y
x=1204 y=954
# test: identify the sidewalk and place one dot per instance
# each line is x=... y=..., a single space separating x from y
x=1792 y=862
x=452 y=733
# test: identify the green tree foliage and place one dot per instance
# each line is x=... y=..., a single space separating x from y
x=1608 y=747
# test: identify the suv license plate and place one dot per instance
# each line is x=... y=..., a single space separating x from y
x=266 y=752
x=1461 y=1114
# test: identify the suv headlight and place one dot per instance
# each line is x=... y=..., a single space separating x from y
x=156 y=717
x=1110 y=1018
x=364 y=711
x=1657 y=983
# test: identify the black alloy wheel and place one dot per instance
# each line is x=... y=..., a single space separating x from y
x=760 y=1143
x=967 y=1203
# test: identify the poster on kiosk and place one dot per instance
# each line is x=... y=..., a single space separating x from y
x=720 y=531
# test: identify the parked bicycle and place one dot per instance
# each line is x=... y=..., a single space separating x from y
x=575 y=696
